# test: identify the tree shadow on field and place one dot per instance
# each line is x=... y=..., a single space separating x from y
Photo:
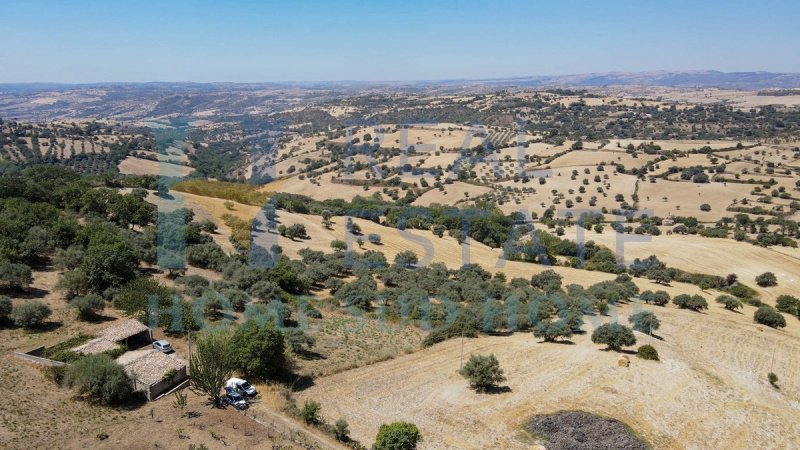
x=27 y=293
x=494 y=390
x=620 y=351
x=560 y=341
x=45 y=327
x=311 y=355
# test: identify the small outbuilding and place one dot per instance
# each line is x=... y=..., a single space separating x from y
x=128 y=332
x=153 y=372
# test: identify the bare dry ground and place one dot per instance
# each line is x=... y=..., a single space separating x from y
x=709 y=390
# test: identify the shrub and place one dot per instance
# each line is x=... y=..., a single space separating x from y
x=767 y=279
x=30 y=314
x=644 y=321
x=5 y=307
x=397 y=436
x=705 y=207
x=15 y=276
x=310 y=413
x=730 y=303
x=693 y=302
x=766 y=315
x=647 y=352
x=614 y=335
x=341 y=430
x=773 y=379
x=338 y=244
x=483 y=372
x=374 y=238
x=100 y=378
x=88 y=306
x=788 y=304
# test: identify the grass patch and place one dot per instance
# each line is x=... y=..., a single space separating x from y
x=247 y=194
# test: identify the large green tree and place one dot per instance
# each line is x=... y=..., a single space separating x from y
x=258 y=350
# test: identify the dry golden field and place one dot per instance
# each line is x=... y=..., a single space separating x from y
x=708 y=391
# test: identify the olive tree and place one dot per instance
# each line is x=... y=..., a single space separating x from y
x=644 y=321
x=614 y=335
x=483 y=372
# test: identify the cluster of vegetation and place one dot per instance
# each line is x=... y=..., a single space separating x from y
x=482 y=222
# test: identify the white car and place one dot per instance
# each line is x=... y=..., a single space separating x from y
x=241 y=386
x=162 y=346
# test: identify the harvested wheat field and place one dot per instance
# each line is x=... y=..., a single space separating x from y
x=708 y=391
x=684 y=198
x=138 y=166
x=712 y=256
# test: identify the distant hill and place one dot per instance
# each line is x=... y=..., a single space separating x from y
x=133 y=101
x=708 y=78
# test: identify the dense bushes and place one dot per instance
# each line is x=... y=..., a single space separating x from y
x=647 y=352
x=99 y=378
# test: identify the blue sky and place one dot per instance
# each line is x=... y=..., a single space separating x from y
x=96 y=41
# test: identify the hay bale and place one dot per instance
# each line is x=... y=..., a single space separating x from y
x=624 y=361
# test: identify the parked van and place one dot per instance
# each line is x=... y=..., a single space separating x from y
x=241 y=386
